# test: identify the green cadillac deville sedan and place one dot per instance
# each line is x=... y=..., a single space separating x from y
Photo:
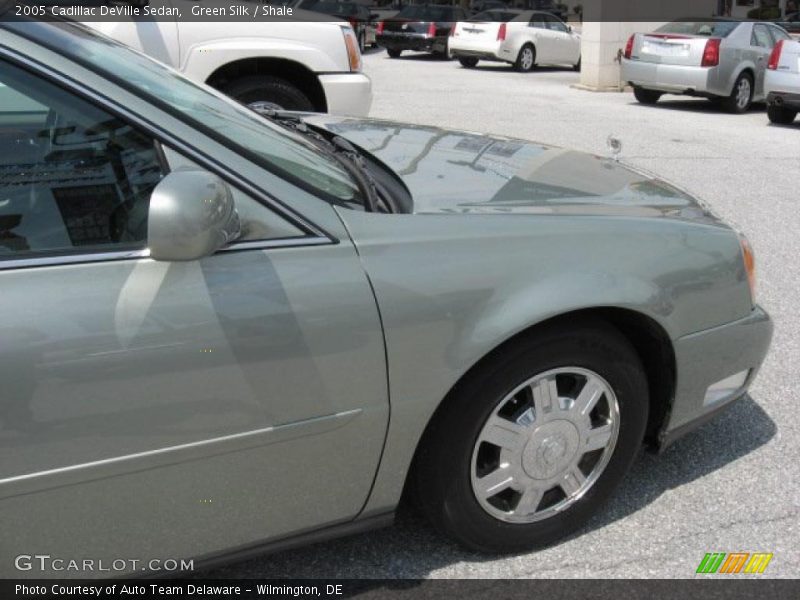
x=224 y=332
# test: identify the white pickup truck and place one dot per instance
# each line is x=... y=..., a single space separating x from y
x=293 y=65
x=782 y=82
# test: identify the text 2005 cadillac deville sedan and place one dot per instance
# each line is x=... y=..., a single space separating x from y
x=222 y=332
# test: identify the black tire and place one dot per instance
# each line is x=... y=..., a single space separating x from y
x=468 y=62
x=272 y=90
x=577 y=65
x=780 y=115
x=731 y=103
x=520 y=64
x=362 y=42
x=644 y=96
x=393 y=53
x=442 y=466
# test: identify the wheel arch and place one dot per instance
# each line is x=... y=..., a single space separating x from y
x=292 y=71
x=748 y=68
x=648 y=338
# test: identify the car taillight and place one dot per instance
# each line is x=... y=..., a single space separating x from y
x=351 y=44
x=711 y=53
x=379 y=28
x=432 y=30
x=629 y=46
x=775 y=57
x=501 y=33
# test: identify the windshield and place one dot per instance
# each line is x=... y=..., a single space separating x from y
x=426 y=13
x=708 y=28
x=287 y=154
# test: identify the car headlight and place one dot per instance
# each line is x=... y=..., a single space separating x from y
x=351 y=43
x=749 y=259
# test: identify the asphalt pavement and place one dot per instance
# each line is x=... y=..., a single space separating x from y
x=731 y=486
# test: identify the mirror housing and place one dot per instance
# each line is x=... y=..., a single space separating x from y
x=191 y=215
x=569 y=28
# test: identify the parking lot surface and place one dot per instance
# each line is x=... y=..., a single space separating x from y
x=731 y=486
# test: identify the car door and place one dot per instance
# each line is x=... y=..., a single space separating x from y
x=562 y=40
x=761 y=43
x=155 y=37
x=542 y=38
x=167 y=409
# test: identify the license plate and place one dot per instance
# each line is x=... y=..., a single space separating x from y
x=665 y=49
x=474 y=30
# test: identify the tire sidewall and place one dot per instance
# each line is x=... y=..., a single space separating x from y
x=518 y=64
x=731 y=103
x=270 y=89
x=464 y=515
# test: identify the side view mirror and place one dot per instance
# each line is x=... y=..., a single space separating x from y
x=191 y=215
x=569 y=28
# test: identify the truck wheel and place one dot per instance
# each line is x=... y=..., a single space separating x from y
x=646 y=96
x=394 y=53
x=268 y=92
x=535 y=440
x=780 y=115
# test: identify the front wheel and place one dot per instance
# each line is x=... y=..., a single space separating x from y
x=531 y=444
x=526 y=59
x=741 y=96
x=468 y=62
x=644 y=96
x=780 y=115
x=577 y=65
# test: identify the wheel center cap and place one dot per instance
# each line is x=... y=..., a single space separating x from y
x=551 y=449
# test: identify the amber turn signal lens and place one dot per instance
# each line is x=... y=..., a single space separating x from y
x=353 y=53
x=749 y=259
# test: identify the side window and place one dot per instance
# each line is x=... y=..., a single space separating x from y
x=73 y=178
x=779 y=34
x=554 y=24
x=537 y=21
x=761 y=37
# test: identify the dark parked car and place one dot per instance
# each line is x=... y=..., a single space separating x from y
x=421 y=27
x=358 y=15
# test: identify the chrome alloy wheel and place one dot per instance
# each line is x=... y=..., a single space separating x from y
x=545 y=445
x=743 y=93
x=526 y=60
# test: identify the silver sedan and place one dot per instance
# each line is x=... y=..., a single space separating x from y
x=722 y=60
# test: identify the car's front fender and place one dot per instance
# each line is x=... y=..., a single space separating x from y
x=453 y=288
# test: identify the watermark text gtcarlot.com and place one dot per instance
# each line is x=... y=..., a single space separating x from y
x=46 y=562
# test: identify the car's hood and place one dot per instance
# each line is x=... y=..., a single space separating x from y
x=459 y=172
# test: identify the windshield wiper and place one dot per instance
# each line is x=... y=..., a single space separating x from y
x=376 y=199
